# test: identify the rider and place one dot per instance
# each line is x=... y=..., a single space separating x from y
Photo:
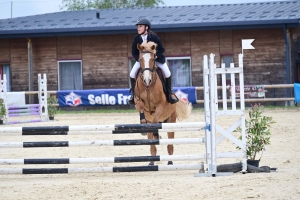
x=145 y=34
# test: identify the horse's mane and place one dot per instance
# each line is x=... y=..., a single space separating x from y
x=148 y=46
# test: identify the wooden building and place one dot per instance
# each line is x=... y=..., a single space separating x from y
x=91 y=49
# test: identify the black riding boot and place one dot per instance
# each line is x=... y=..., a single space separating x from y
x=131 y=100
x=172 y=98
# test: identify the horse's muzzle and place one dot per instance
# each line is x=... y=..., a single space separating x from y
x=147 y=82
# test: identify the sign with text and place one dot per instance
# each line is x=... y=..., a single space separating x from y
x=111 y=97
x=251 y=91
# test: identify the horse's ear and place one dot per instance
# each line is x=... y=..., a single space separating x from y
x=153 y=47
x=140 y=47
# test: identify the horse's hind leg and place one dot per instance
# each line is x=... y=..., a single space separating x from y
x=153 y=149
x=170 y=147
x=171 y=135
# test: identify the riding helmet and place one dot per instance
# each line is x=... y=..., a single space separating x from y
x=144 y=21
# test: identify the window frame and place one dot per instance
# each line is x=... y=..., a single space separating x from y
x=8 y=76
x=182 y=58
x=228 y=79
x=58 y=74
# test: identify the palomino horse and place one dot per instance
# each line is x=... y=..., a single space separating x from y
x=150 y=99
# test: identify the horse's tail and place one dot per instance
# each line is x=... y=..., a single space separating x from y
x=183 y=109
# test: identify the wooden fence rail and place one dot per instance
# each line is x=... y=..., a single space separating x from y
x=228 y=87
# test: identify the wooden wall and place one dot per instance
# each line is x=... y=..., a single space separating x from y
x=105 y=61
x=4 y=51
x=19 y=64
x=44 y=51
x=105 y=57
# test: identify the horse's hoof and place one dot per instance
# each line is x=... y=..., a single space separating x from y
x=170 y=162
x=151 y=163
x=144 y=134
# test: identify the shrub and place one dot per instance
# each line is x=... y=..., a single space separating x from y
x=257 y=132
x=52 y=109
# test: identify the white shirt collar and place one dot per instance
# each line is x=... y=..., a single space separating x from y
x=144 y=37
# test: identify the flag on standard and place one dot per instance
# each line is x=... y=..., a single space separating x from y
x=246 y=44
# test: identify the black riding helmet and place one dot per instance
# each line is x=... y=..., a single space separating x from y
x=144 y=21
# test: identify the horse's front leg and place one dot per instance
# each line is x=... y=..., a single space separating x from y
x=153 y=149
x=158 y=112
x=156 y=116
x=139 y=106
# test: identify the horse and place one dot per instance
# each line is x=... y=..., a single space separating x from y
x=150 y=99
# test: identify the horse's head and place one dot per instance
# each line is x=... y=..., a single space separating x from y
x=147 y=61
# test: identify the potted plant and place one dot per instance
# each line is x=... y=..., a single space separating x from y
x=257 y=134
x=52 y=108
x=2 y=111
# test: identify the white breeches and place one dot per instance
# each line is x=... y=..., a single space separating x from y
x=164 y=67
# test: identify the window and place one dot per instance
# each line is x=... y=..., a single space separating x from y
x=180 y=68
x=70 y=75
x=227 y=60
x=5 y=69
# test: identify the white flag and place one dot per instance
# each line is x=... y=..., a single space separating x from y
x=246 y=44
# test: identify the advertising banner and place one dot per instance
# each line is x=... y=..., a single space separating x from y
x=111 y=97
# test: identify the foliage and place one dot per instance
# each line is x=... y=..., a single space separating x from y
x=104 y=4
x=2 y=108
x=257 y=131
x=52 y=109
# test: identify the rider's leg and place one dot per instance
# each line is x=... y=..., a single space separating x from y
x=164 y=67
x=134 y=69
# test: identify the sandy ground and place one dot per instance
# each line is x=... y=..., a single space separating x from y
x=283 y=153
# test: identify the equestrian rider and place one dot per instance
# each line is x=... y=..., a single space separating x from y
x=145 y=34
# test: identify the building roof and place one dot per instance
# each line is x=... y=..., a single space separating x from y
x=163 y=19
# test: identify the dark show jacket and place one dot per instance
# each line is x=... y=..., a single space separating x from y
x=153 y=38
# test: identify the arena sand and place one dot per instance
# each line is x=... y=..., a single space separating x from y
x=283 y=153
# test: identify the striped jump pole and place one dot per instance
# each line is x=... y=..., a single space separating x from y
x=24 y=121
x=41 y=161
x=100 y=169
x=109 y=129
x=24 y=110
x=24 y=106
x=101 y=143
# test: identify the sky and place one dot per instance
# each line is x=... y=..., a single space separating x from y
x=20 y=8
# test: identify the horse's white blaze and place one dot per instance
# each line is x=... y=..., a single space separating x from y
x=147 y=76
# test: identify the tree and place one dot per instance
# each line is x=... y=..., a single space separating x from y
x=104 y=4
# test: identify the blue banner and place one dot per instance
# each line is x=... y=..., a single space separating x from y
x=107 y=97
x=297 y=92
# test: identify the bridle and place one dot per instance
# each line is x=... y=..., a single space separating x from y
x=154 y=75
x=152 y=71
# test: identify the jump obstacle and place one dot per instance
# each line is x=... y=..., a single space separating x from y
x=212 y=111
x=39 y=110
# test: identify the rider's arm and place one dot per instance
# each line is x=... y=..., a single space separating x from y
x=160 y=48
x=134 y=51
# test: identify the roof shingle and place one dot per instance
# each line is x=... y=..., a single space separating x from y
x=166 y=18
